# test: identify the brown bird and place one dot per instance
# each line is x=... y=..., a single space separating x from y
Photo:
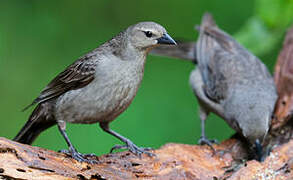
x=97 y=87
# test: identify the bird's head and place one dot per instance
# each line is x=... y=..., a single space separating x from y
x=255 y=123
x=146 y=35
x=251 y=109
x=248 y=109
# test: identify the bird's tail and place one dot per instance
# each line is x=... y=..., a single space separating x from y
x=184 y=50
x=205 y=45
x=207 y=21
x=40 y=120
x=209 y=31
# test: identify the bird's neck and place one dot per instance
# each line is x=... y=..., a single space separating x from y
x=122 y=48
x=132 y=53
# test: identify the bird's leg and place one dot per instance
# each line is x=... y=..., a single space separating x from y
x=128 y=144
x=259 y=151
x=71 y=149
x=203 y=140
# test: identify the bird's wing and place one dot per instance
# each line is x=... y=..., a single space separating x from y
x=215 y=49
x=75 y=76
x=183 y=50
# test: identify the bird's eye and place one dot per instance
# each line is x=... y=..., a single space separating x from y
x=148 y=34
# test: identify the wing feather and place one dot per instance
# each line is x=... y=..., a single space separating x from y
x=75 y=76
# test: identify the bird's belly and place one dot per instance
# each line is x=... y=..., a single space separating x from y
x=96 y=102
x=197 y=85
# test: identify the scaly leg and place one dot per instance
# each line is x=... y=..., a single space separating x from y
x=203 y=114
x=71 y=149
x=128 y=144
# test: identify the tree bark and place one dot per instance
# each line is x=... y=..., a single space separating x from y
x=172 y=161
x=284 y=82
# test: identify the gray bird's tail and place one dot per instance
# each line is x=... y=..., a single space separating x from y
x=39 y=120
x=184 y=50
x=209 y=31
x=207 y=21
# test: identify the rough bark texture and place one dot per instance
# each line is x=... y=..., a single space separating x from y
x=284 y=82
x=172 y=161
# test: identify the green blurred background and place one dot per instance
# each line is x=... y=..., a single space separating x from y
x=38 y=39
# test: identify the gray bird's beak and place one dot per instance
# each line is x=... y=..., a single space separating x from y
x=166 y=39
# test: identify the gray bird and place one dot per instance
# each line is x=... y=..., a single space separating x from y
x=185 y=50
x=230 y=82
x=97 y=87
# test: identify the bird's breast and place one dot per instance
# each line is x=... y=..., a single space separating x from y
x=108 y=95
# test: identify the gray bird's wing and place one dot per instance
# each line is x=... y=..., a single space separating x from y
x=75 y=76
x=216 y=53
x=183 y=50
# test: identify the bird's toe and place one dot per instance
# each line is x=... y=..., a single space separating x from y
x=117 y=147
x=79 y=157
x=138 y=151
x=82 y=158
x=205 y=141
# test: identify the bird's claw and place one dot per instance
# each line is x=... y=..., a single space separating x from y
x=64 y=151
x=80 y=157
x=204 y=141
x=134 y=149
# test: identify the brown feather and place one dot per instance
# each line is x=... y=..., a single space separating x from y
x=75 y=76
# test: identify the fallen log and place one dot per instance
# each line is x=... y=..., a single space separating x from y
x=172 y=161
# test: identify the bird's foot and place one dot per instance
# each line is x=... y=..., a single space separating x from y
x=65 y=151
x=134 y=149
x=204 y=141
x=80 y=157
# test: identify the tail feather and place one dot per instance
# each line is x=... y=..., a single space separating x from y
x=40 y=120
x=209 y=28
x=207 y=21
x=183 y=50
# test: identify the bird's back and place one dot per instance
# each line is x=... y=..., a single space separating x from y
x=236 y=80
x=225 y=65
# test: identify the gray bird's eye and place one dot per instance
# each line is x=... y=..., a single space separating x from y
x=148 y=34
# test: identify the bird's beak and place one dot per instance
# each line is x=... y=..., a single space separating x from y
x=166 y=39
